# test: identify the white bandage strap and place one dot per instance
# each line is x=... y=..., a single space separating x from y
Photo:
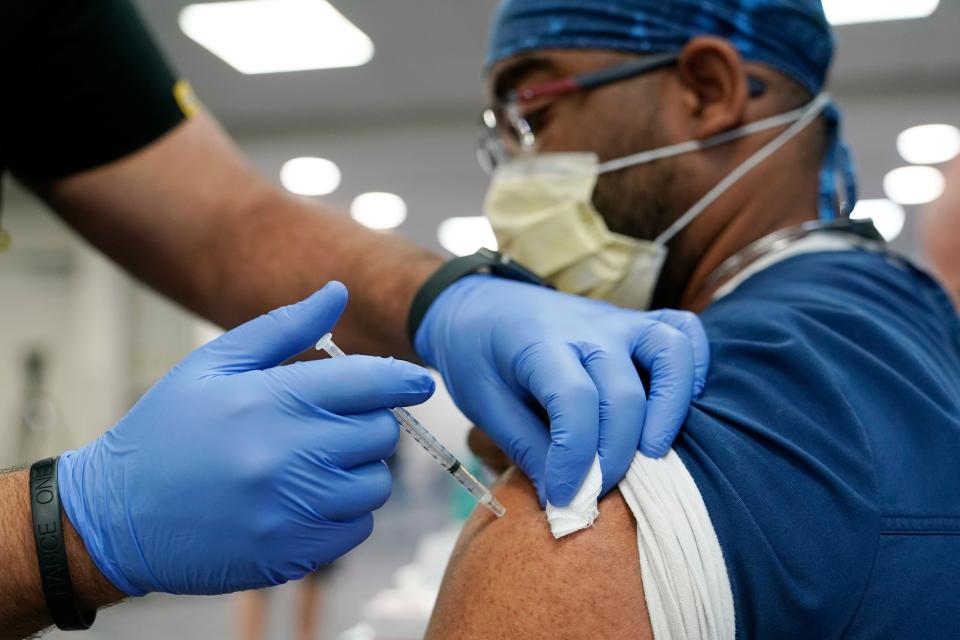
x=685 y=579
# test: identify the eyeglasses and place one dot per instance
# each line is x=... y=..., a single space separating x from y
x=506 y=130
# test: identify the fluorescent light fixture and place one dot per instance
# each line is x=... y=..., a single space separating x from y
x=271 y=36
x=466 y=235
x=310 y=176
x=853 y=11
x=888 y=217
x=379 y=210
x=913 y=185
x=929 y=143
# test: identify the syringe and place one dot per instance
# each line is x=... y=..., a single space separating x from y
x=430 y=444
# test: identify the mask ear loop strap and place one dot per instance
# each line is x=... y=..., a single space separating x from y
x=807 y=115
x=695 y=145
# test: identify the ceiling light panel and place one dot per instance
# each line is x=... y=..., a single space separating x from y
x=272 y=36
x=853 y=11
x=465 y=235
x=929 y=143
x=379 y=210
x=913 y=185
x=310 y=176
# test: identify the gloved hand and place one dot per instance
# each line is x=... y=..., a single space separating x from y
x=235 y=473
x=502 y=346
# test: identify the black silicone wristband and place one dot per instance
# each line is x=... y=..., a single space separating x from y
x=52 y=551
x=483 y=260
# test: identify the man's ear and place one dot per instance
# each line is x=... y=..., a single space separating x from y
x=716 y=85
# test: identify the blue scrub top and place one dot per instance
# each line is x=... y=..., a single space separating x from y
x=827 y=449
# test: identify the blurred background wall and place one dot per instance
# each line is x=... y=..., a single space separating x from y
x=81 y=341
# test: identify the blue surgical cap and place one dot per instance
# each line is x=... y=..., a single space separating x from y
x=791 y=36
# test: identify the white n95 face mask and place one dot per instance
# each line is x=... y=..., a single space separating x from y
x=541 y=209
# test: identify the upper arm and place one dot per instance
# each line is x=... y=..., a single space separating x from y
x=117 y=145
x=160 y=212
x=174 y=183
x=191 y=217
x=509 y=578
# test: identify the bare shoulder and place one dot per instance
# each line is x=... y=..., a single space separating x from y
x=509 y=578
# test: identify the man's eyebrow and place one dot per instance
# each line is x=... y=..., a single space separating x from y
x=511 y=76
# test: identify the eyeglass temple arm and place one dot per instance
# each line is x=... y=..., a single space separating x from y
x=623 y=71
x=594 y=79
x=610 y=75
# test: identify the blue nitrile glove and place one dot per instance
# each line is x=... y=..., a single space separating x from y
x=501 y=344
x=234 y=472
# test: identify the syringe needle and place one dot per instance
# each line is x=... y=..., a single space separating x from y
x=430 y=444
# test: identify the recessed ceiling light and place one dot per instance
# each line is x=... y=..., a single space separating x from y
x=310 y=176
x=913 y=185
x=852 y=11
x=929 y=143
x=379 y=210
x=888 y=217
x=466 y=235
x=270 y=36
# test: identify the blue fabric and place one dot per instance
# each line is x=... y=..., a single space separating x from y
x=826 y=448
x=792 y=36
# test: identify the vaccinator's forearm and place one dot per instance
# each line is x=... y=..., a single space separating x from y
x=286 y=249
x=190 y=216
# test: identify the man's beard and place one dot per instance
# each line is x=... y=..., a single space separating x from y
x=636 y=205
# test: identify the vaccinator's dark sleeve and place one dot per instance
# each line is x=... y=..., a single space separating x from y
x=85 y=85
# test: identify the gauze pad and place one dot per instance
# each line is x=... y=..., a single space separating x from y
x=582 y=510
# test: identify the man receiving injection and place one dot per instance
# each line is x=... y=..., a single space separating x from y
x=235 y=471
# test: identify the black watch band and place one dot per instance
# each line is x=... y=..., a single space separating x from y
x=483 y=260
x=52 y=551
